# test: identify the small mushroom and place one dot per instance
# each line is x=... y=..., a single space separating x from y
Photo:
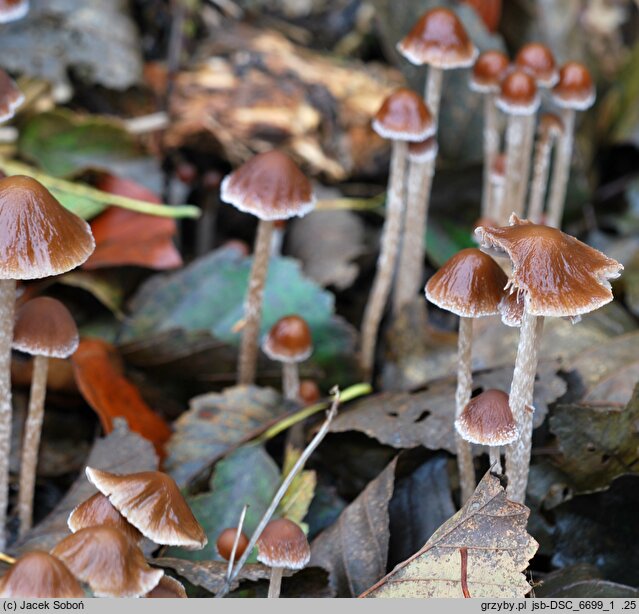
x=167 y=588
x=39 y=575
x=488 y=421
x=45 y=329
x=226 y=540
x=152 y=502
x=470 y=285
x=271 y=187
x=10 y=97
x=12 y=10
x=574 y=92
x=110 y=563
x=309 y=392
x=282 y=545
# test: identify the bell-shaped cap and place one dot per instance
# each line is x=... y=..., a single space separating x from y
x=38 y=236
x=152 y=502
x=110 y=563
x=438 y=39
x=98 y=511
x=168 y=588
x=488 y=71
x=226 y=540
x=518 y=94
x=289 y=340
x=269 y=186
x=38 y=575
x=10 y=97
x=538 y=60
x=470 y=284
x=556 y=274
x=12 y=10
x=404 y=116
x=423 y=151
x=44 y=327
x=283 y=544
x=487 y=420
x=575 y=89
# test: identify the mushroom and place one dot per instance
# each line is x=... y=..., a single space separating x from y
x=519 y=100
x=271 y=187
x=10 y=97
x=489 y=70
x=167 y=588
x=110 y=563
x=498 y=183
x=38 y=575
x=402 y=117
x=282 y=545
x=439 y=40
x=12 y=10
x=152 y=502
x=226 y=540
x=470 y=285
x=289 y=342
x=554 y=275
x=45 y=329
x=410 y=269
x=38 y=238
x=488 y=421
x=550 y=130
x=98 y=511
x=574 y=92
x=309 y=392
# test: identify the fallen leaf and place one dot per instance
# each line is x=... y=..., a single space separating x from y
x=111 y=395
x=354 y=550
x=122 y=451
x=581 y=581
x=214 y=424
x=482 y=551
x=104 y=286
x=297 y=499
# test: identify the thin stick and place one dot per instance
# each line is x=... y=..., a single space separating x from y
x=5 y=558
x=301 y=461
x=236 y=541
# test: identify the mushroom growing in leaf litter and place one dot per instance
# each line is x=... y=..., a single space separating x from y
x=225 y=542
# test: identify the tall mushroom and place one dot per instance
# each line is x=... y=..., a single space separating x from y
x=38 y=238
x=45 y=329
x=271 y=187
x=470 y=285
x=574 y=92
x=489 y=70
x=12 y=10
x=402 y=117
x=438 y=39
x=555 y=275
x=10 y=97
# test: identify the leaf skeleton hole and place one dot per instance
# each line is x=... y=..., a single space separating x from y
x=463 y=552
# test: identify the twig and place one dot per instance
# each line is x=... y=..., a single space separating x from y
x=5 y=558
x=279 y=495
x=236 y=541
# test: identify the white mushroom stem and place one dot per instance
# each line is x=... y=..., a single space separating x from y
x=526 y=156
x=433 y=91
x=31 y=442
x=561 y=173
x=515 y=136
x=291 y=381
x=275 y=583
x=498 y=211
x=491 y=149
x=495 y=459
x=462 y=397
x=540 y=177
x=7 y=308
x=249 y=346
x=387 y=258
x=410 y=270
x=521 y=402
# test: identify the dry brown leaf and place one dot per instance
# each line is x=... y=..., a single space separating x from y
x=482 y=551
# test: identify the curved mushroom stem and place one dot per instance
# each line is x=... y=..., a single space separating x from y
x=276 y=582
x=462 y=396
x=561 y=172
x=410 y=270
x=31 y=442
x=491 y=149
x=433 y=91
x=515 y=136
x=540 y=177
x=7 y=308
x=387 y=258
x=521 y=400
x=249 y=346
x=495 y=459
x=526 y=156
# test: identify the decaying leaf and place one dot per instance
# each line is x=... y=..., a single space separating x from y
x=482 y=551
x=295 y=503
x=355 y=549
x=105 y=286
x=581 y=581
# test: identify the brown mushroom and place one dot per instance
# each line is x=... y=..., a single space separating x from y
x=167 y=588
x=226 y=541
x=12 y=10
x=471 y=285
x=271 y=187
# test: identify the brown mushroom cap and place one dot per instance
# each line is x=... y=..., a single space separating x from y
x=487 y=420
x=110 y=563
x=556 y=274
x=470 y=285
x=38 y=236
x=309 y=392
x=12 y=10
x=10 y=96
x=518 y=94
x=269 y=186
x=152 y=502
x=512 y=309
x=488 y=71
x=404 y=116
x=423 y=151
x=551 y=124
x=98 y=511
x=283 y=544
x=539 y=61
x=168 y=588
x=289 y=340
x=38 y=575
x=225 y=542
x=440 y=40
x=575 y=89
x=44 y=327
